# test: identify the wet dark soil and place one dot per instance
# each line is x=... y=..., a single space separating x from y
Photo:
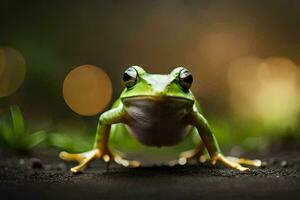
x=43 y=176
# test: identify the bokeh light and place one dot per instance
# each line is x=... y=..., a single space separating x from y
x=87 y=90
x=267 y=90
x=222 y=46
x=278 y=100
x=12 y=71
x=243 y=82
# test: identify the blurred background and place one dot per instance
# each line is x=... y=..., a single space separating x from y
x=62 y=63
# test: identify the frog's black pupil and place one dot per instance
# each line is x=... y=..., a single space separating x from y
x=188 y=79
x=126 y=77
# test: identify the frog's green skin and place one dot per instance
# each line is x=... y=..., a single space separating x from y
x=156 y=110
x=154 y=105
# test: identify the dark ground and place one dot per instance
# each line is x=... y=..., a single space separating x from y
x=26 y=178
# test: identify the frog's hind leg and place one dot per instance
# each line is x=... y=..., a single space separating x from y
x=120 y=159
x=126 y=163
x=198 y=153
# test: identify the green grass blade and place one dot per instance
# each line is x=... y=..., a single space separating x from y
x=18 y=122
x=35 y=139
x=6 y=135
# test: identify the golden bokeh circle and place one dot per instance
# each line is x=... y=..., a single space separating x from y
x=12 y=71
x=265 y=90
x=87 y=90
x=277 y=69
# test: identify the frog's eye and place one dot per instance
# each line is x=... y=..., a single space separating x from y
x=185 y=79
x=130 y=77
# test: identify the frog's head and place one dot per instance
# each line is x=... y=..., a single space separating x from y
x=140 y=84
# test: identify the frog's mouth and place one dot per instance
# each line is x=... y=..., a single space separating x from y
x=158 y=99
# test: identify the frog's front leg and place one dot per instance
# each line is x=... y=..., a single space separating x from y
x=116 y=115
x=212 y=146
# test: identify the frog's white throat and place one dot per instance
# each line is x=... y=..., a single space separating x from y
x=158 y=122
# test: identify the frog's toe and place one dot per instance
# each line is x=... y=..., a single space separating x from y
x=69 y=156
x=126 y=163
x=243 y=169
x=183 y=160
x=77 y=169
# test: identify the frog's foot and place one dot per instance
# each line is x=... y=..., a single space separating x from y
x=254 y=163
x=84 y=159
x=126 y=163
x=228 y=162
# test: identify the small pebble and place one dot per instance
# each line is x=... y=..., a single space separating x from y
x=284 y=163
x=36 y=163
x=21 y=161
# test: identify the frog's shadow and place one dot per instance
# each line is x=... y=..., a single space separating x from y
x=154 y=170
x=167 y=171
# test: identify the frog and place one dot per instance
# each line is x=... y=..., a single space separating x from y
x=156 y=110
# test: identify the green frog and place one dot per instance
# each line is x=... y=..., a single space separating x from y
x=157 y=110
